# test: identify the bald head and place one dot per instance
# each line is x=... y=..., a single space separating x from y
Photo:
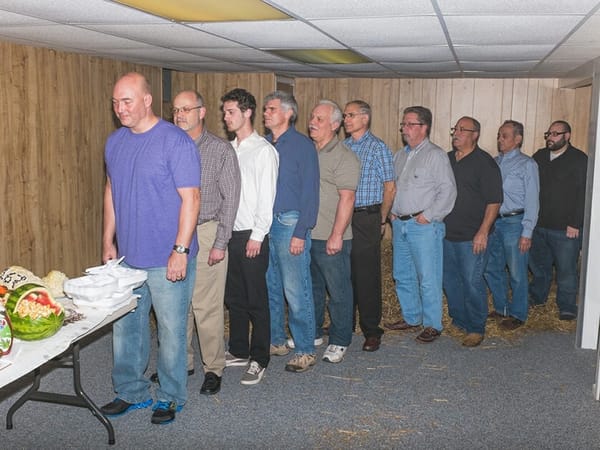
x=132 y=102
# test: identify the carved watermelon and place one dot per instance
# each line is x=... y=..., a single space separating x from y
x=6 y=335
x=33 y=312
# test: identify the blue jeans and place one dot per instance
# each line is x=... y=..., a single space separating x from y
x=550 y=247
x=503 y=249
x=417 y=267
x=131 y=339
x=465 y=286
x=288 y=278
x=331 y=273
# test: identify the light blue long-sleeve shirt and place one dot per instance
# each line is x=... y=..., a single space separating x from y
x=521 y=186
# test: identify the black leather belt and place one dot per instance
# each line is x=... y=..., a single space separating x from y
x=371 y=209
x=516 y=212
x=409 y=216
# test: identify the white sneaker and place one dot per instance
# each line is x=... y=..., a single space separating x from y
x=253 y=374
x=234 y=361
x=290 y=342
x=334 y=353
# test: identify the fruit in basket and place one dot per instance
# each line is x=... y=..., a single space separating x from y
x=33 y=312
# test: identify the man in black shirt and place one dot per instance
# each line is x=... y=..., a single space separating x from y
x=557 y=236
x=479 y=187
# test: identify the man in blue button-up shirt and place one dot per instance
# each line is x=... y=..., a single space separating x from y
x=511 y=240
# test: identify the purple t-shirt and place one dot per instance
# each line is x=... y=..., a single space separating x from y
x=145 y=171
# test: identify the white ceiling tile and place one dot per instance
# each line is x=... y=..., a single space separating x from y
x=516 y=7
x=360 y=32
x=165 y=35
x=68 y=36
x=587 y=34
x=490 y=30
x=502 y=52
x=407 y=54
x=9 y=19
x=430 y=67
x=368 y=67
x=271 y=34
x=312 y=9
x=499 y=66
x=241 y=54
x=576 y=53
x=79 y=11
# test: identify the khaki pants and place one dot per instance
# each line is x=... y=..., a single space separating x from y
x=207 y=305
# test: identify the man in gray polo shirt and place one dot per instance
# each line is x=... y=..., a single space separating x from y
x=339 y=169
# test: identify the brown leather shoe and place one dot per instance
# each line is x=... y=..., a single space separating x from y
x=472 y=340
x=428 y=335
x=511 y=323
x=401 y=325
x=372 y=344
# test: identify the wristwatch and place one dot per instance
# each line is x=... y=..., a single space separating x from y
x=180 y=249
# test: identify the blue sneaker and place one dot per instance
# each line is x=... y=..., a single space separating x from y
x=164 y=412
x=119 y=407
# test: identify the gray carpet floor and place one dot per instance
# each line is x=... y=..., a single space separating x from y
x=534 y=393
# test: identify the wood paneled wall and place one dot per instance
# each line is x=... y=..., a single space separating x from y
x=213 y=85
x=535 y=103
x=56 y=115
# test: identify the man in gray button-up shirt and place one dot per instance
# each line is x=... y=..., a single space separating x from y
x=425 y=194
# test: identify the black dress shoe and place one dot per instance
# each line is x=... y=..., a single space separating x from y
x=164 y=413
x=154 y=376
x=211 y=385
x=372 y=344
x=119 y=407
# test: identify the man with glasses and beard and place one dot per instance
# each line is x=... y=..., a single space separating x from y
x=557 y=236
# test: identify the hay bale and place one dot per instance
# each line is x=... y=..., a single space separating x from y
x=541 y=318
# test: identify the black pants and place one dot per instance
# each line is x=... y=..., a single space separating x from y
x=366 y=270
x=247 y=300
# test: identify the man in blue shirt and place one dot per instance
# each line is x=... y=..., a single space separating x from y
x=294 y=215
x=510 y=243
x=374 y=197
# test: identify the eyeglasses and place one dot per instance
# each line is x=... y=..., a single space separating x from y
x=547 y=134
x=185 y=109
x=461 y=129
x=410 y=124
x=352 y=115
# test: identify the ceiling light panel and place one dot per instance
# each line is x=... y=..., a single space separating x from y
x=208 y=10
x=316 y=56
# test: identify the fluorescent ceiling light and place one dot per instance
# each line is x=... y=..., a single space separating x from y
x=208 y=10
x=321 y=56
